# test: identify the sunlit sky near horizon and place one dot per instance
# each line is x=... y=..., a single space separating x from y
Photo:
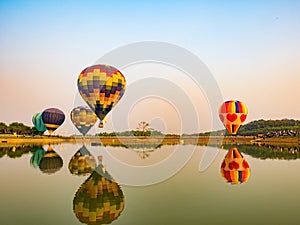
x=252 y=49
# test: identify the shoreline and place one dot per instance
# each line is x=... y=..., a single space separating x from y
x=202 y=140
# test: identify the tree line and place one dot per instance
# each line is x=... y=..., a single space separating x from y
x=18 y=128
x=251 y=129
x=143 y=130
x=266 y=126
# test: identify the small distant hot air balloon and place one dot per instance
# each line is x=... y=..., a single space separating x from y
x=51 y=162
x=233 y=113
x=101 y=87
x=235 y=169
x=82 y=163
x=52 y=118
x=99 y=200
x=38 y=122
x=83 y=118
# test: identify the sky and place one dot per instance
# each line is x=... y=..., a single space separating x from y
x=251 y=48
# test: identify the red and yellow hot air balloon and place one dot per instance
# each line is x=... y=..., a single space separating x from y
x=235 y=169
x=233 y=113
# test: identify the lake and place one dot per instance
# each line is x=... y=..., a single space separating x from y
x=56 y=184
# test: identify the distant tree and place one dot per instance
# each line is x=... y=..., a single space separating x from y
x=19 y=128
x=36 y=132
x=143 y=129
x=3 y=128
x=143 y=126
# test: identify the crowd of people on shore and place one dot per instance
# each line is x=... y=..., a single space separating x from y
x=282 y=133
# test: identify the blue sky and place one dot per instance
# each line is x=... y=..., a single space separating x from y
x=251 y=47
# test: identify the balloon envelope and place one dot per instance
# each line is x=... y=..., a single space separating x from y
x=233 y=113
x=101 y=86
x=38 y=122
x=99 y=200
x=36 y=157
x=235 y=169
x=82 y=164
x=51 y=162
x=53 y=118
x=83 y=118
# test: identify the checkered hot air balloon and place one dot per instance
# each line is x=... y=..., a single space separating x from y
x=83 y=118
x=233 y=113
x=101 y=87
x=235 y=169
x=99 y=200
x=52 y=118
x=82 y=163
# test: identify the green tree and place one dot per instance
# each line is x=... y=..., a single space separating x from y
x=143 y=129
x=35 y=131
x=3 y=128
x=19 y=128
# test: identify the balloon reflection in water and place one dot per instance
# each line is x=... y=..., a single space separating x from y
x=82 y=163
x=99 y=200
x=51 y=162
x=36 y=157
x=235 y=169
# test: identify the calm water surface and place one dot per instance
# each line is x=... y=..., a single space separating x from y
x=48 y=194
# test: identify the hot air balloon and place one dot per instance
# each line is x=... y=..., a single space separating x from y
x=52 y=118
x=38 y=122
x=51 y=162
x=101 y=86
x=233 y=113
x=36 y=157
x=99 y=200
x=235 y=169
x=83 y=118
x=82 y=163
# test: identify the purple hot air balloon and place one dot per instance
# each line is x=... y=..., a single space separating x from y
x=52 y=118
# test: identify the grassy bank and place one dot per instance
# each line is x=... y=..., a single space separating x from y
x=117 y=141
x=12 y=139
